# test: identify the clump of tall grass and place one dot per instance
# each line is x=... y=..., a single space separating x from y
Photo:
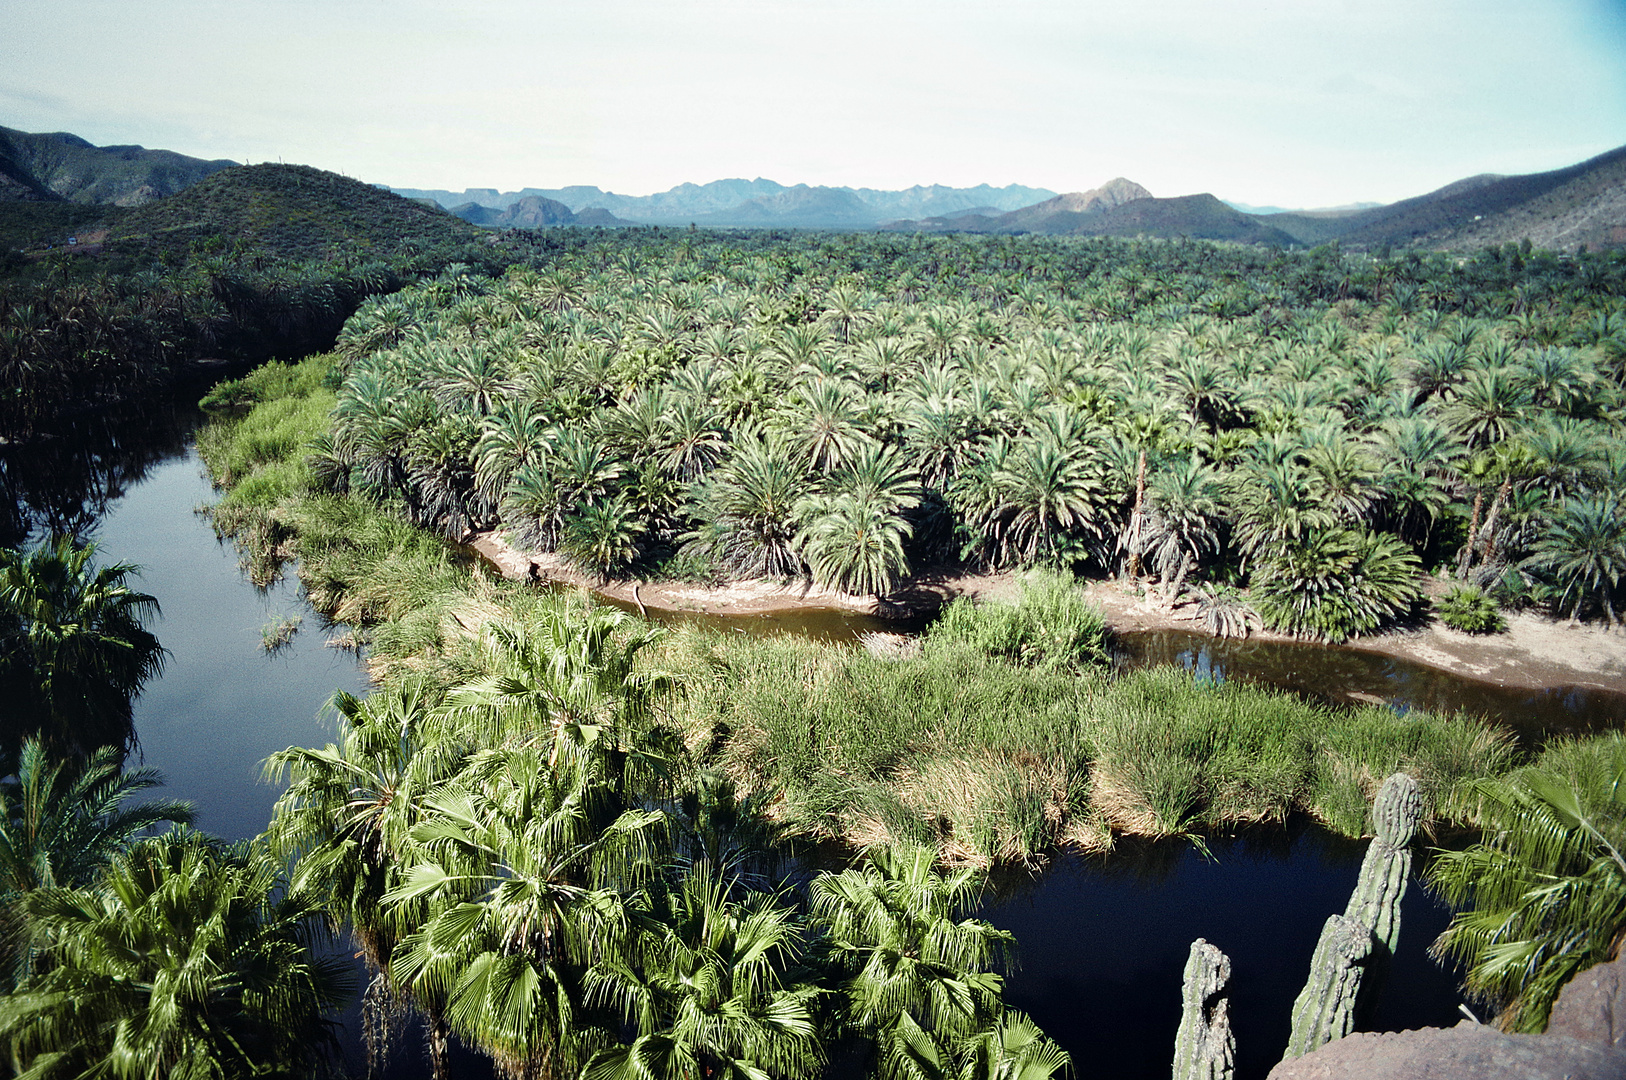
x=1178 y=755
x=1051 y=625
x=1359 y=747
x=1175 y=755
x=985 y=759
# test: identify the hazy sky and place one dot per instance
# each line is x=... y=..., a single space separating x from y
x=1293 y=103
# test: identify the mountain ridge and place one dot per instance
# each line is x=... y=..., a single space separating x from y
x=58 y=166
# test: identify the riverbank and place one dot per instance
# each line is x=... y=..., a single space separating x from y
x=1535 y=652
x=923 y=594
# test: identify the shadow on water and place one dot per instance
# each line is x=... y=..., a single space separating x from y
x=1103 y=944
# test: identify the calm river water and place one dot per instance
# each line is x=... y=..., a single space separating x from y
x=1102 y=943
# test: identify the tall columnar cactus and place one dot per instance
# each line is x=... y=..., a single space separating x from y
x=1384 y=871
x=1205 y=1049
x=1325 y=1009
x=1352 y=957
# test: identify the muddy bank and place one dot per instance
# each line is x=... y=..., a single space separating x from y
x=1535 y=652
x=923 y=594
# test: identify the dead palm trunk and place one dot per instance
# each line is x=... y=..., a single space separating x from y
x=1490 y=519
x=1136 y=521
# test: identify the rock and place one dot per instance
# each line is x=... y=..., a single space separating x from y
x=1592 y=1006
x=1468 y=1051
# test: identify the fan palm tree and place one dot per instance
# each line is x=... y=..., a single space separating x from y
x=187 y=960
x=74 y=648
x=1543 y=895
x=704 y=984
x=346 y=817
x=898 y=930
x=60 y=826
x=525 y=866
x=567 y=678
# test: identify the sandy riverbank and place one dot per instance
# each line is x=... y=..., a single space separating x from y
x=1535 y=652
x=924 y=593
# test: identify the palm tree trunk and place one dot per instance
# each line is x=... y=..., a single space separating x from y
x=440 y=1046
x=1490 y=519
x=1466 y=559
x=1132 y=563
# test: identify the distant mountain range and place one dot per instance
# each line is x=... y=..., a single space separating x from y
x=1581 y=205
x=746 y=203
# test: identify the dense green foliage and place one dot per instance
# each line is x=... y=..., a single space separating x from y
x=248 y=264
x=1321 y=426
x=651 y=401
x=1543 y=896
x=531 y=859
x=1470 y=609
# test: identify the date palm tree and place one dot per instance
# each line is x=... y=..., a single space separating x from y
x=853 y=543
x=1584 y=550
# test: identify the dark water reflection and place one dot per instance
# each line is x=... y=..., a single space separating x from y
x=1104 y=942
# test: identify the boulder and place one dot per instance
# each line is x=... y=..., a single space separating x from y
x=1468 y=1051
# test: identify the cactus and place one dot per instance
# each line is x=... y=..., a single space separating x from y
x=1325 y=1009
x=1382 y=884
x=1205 y=1049
x=1352 y=958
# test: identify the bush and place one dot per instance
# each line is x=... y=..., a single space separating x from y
x=1470 y=609
x=1050 y=626
x=1337 y=583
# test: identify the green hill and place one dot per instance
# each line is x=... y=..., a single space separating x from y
x=1200 y=217
x=63 y=166
x=1481 y=210
x=288 y=211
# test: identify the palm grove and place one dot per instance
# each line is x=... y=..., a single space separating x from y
x=560 y=836
x=1318 y=428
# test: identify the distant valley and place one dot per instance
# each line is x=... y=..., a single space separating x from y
x=53 y=183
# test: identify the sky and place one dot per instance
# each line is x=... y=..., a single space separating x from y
x=1297 y=103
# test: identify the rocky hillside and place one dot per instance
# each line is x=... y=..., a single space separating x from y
x=1564 y=208
x=64 y=167
x=292 y=211
x=753 y=203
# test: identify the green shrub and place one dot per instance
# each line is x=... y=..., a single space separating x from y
x=1050 y=626
x=1470 y=609
x=1337 y=583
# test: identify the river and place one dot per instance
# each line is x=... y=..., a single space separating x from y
x=1102 y=942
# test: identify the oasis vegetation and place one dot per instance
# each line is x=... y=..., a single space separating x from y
x=578 y=843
